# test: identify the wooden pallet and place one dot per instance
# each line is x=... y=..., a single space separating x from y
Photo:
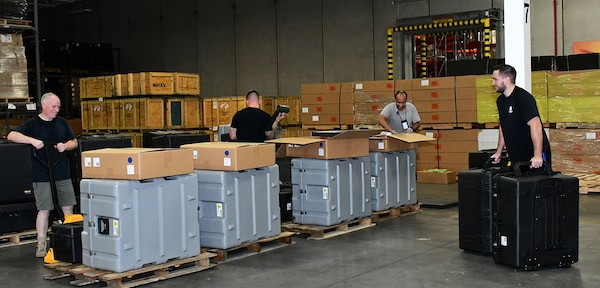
x=588 y=183
x=391 y=213
x=15 y=100
x=577 y=125
x=20 y=238
x=318 y=232
x=367 y=126
x=149 y=274
x=15 y=22
x=252 y=248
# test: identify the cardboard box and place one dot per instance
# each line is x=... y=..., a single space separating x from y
x=465 y=81
x=435 y=106
x=379 y=86
x=322 y=98
x=438 y=117
x=135 y=163
x=396 y=142
x=433 y=83
x=447 y=177
x=327 y=108
x=403 y=84
x=320 y=88
x=231 y=156
x=327 y=119
x=433 y=94
x=341 y=144
x=466 y=93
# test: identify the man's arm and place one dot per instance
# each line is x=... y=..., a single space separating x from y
x=67 y=146
x=384 y=123
x=416 y=125
x=19 y=137
x=232 y=134
x=496 y=156
x=537 y=137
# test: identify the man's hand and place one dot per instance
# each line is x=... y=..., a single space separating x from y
x=37 y=144
x=60 y=147
x=536 y=162
x=409 y=130
x=280 y=117
x=496 y=158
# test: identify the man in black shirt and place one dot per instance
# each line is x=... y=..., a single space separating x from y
x=521 y=129
x=47 y=128
x=252 y=124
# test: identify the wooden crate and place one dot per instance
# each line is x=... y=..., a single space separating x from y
x=292 y=132
x=85 y=114
x=96 y=87
x=96 y=115
x=113 y=116
x=187 y=83
x=152 y=113
x=268 y=104
x=129 y=109
x=220 y=110
x=121 y=85
x=193 y=113
x=293 y=117
x=175 y=113
x=134 y=80
x=157 y=83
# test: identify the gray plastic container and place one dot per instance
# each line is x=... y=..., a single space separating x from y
x=238 y=206
x=130 y=223
x=393 y=179
x=328 y=192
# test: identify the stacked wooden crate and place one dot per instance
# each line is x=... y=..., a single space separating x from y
x=13 y=77
x=134 y=102
x=291 y=122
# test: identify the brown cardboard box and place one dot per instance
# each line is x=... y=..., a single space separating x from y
x=438 y=117
x=435 y=106
x=459 y=135
x=466 y=93
x=328 y=98
x=135 y=163
x=347 y=97
x=342 y=144
x=433 y=94
x=466 y=116
x=447 y=177
x=403 y=84
x=327 y=119
x=322 y=109
x=396 y=142
x=428 y=157
x=320 y=88
x=465 y=81
x=379 y=86
x=433 y=83
x=231 y=156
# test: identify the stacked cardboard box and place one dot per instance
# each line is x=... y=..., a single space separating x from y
x=466 y=99
x=328 y=104
x=574 y=150
x=454 y=146
x=369 y=99
x=487 y=111
x=13 y=67
x=434 y=99
x=573 y=96
x=427 y=154
x=539 y=90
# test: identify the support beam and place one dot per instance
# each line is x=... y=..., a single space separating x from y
x=517 y=39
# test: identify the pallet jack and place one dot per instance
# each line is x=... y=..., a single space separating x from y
x=68 y=248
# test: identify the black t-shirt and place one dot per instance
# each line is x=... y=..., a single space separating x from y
x=50 y=132
x=251 y=124
x=515 y=111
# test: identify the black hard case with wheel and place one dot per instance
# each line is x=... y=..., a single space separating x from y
x=65 y=240
x=17 y=217
x=537 y=219
x=475 y=221
x=15 y=173
x=172 y=138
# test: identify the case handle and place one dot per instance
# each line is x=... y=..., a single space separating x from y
x=524 y=166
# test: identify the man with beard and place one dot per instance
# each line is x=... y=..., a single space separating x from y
x=521 y=129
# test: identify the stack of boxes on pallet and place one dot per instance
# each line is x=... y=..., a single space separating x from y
x=326 y=106
x=369 y=99
x=135 y=102
x=574 y=150
x=573 y=96
x=238 y=185
x=13 y=79
x=435 y=100
x=140 y=207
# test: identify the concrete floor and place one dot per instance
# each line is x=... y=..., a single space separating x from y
x=415 y=251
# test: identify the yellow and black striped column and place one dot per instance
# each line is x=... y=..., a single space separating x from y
x=487 y=38
x=390 y=53
x=423 y=39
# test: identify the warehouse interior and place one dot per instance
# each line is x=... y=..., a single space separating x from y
x=110 y=62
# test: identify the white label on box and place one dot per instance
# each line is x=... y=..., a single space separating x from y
x=304 y=109
x=424 y=82
x=227 y=161
x=315 y=118
x=31 y=106
x=87 y=161
x=12 y=106
x=195 y=154
x=220 y=210
x=373 y=182
x=503 y=241
x=590 y=135
x=429 y=134
x=288 y=206
x=325 y=193
x=380 y=145
x=321 y=151
x=358 y=86
x=130 y=169
x=6 y=38
x=115 y=224
x=96 y=161
x=215 y=105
